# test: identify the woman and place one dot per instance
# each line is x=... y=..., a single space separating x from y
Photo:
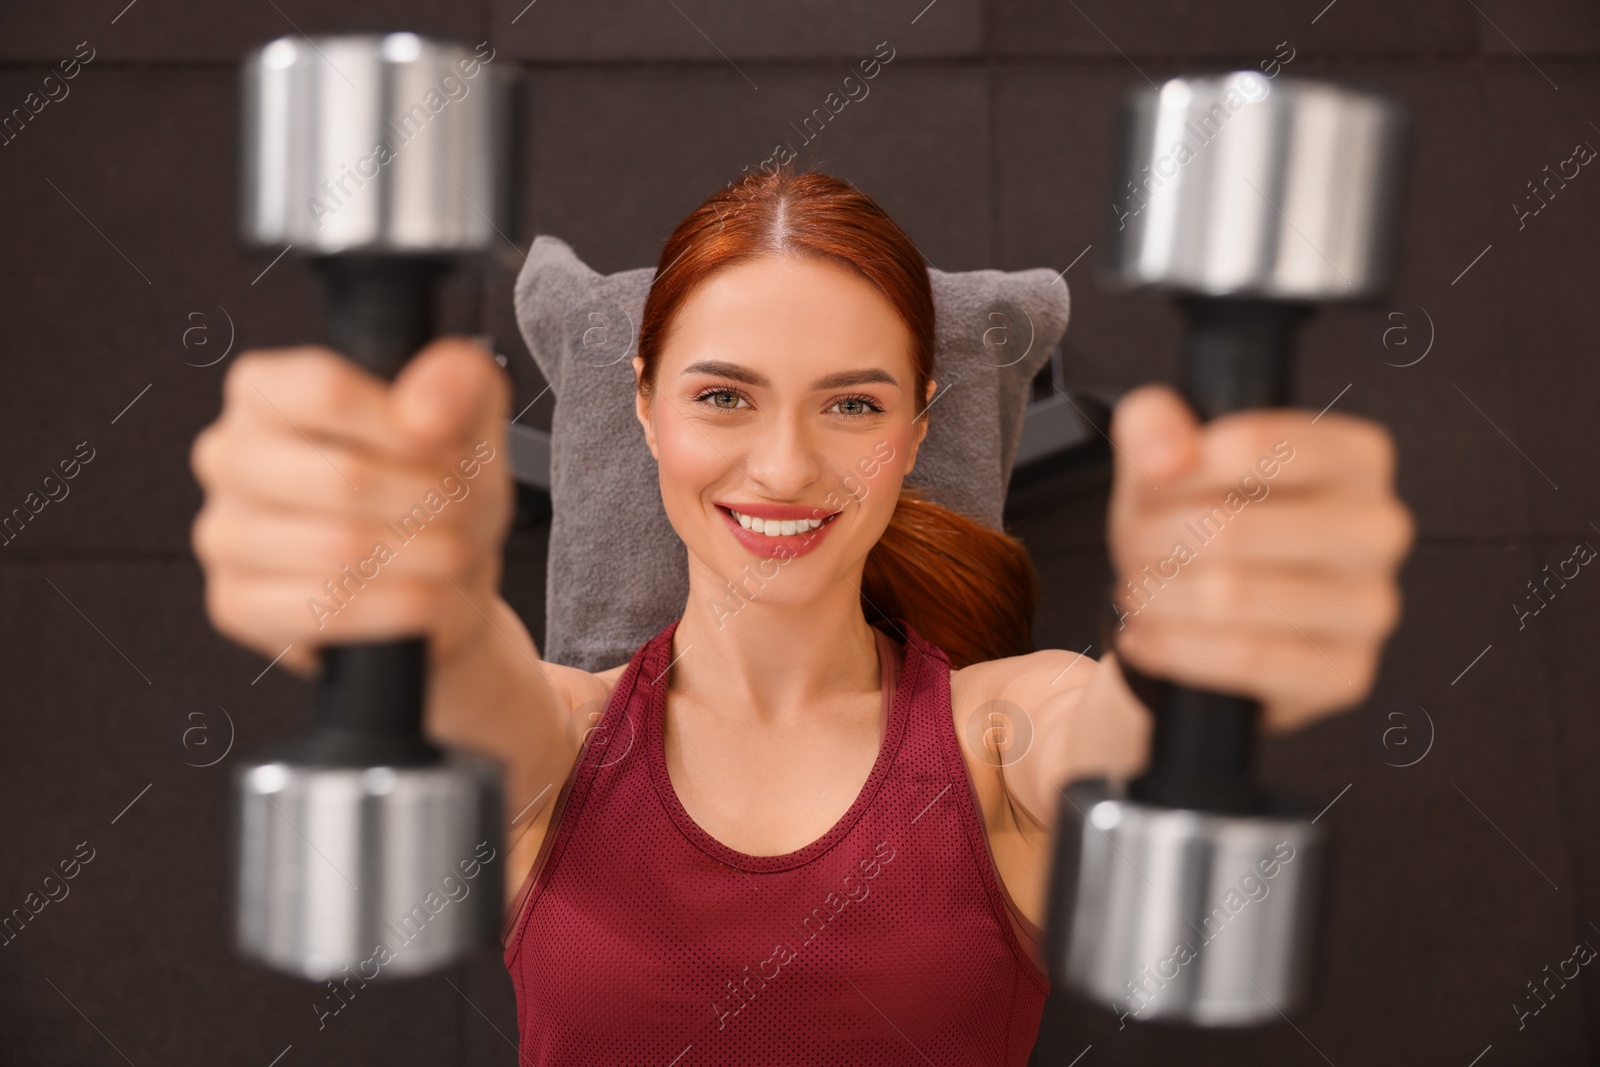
x=782 y=842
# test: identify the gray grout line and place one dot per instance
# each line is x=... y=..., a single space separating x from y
x=1021 y=61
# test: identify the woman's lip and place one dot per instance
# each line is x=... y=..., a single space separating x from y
x=786 y=546
x=825 y=518
x=781 y=512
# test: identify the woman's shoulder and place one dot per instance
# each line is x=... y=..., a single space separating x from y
x=580 y=687
x=1020 y=679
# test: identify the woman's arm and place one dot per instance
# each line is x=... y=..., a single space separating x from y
x=1258 y=555
x=1081 y=721
x=496 y=696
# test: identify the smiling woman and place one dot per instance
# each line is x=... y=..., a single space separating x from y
x=743 y=765
x=798 y=715
x=806 y=270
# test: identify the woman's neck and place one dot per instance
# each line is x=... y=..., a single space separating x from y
x=773 y=658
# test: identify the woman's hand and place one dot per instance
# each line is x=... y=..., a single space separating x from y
x=340 y=508
x=1256 y=553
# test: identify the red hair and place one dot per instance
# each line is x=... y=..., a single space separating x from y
x=965 y=587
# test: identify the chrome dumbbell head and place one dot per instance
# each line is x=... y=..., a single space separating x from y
x=360 y=845
x=384 y=159
x=1185 y=915
x=390 y=143
x=1239 y=185
x=381 y=870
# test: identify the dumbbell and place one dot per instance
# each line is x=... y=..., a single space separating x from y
x=358 y=847
x=1190 y=894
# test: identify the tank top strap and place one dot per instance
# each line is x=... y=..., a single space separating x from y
x=607 y=743
x=890 y=665
x=1024 y=937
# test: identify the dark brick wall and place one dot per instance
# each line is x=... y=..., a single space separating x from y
x=1458 y=879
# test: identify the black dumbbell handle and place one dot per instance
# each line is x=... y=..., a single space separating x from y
x=1237 y=354
x=369 y=697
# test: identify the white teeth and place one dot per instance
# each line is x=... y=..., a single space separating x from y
x=777 y=527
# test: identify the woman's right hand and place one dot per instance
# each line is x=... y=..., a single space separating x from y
x=308 y=472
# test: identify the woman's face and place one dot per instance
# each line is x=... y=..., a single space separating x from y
x=783 y=395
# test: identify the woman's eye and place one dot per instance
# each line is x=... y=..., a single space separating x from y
x=717 y=396
x=857 y=406
x=732 y=400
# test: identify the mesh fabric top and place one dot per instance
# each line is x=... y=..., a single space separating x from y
x=889 y=940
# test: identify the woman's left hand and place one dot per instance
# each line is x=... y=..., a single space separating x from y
x=1257 y=553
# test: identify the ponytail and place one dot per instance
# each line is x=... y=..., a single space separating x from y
x=967 y=588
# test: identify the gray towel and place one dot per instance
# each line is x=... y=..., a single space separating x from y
x=614 y=580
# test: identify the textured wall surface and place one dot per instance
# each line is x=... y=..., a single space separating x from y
x=1459 y=877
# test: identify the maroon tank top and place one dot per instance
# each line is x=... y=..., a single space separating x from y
x=640 y=939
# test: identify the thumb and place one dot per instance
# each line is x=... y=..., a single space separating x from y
x=1156 y=434
x=446 y=392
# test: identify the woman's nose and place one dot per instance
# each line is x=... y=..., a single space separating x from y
x=783 y=455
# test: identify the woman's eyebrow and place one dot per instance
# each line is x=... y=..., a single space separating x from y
x=840 y=380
